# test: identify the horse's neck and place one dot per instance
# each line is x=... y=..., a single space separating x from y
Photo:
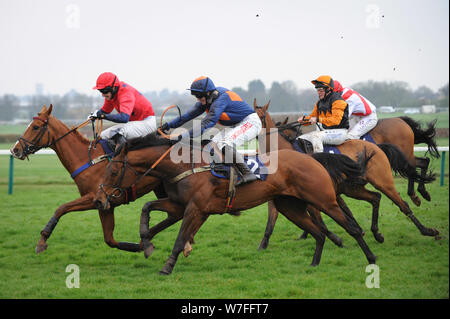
x=72 y=149
x=282 y=142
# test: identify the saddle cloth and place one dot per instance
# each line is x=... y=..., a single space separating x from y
x=222 y=170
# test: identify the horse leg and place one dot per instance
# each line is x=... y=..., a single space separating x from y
x=83 y=203
x=373 y=198
x=423 y=163
x=193 y=219
x=391 y=192
x=272 y=218
x=317 y=219
x=174 y=213
x=350 y=225
x=295 y=211
x=412 y=193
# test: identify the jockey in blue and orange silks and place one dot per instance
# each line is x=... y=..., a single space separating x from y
x=228 y=109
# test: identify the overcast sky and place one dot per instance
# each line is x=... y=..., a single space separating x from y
x=154 y=45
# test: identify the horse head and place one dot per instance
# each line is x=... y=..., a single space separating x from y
x=36 y=136
x=264 y=116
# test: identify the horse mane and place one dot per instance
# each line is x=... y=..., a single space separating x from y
x=80 y=136
x=149 y=140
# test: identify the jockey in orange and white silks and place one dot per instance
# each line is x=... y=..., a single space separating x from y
x=362 y=113
x=330 y=113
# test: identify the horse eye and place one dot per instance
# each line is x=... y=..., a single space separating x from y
x=35 y=127
x=113 y=173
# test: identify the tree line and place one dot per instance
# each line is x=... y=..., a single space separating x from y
x=284 y=96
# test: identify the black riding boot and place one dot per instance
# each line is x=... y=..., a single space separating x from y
x=119 y=140
x=246 y=175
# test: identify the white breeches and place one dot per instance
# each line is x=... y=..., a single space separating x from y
x=318 y=138
x=131 y=129
x=360 y=125
x=237 y=135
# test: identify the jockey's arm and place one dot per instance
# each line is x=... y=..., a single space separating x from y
x=337 y=113
x=189 y=115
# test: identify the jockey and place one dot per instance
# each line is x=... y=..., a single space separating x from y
x=226 y=108
x=362 y=113
x=330 y=114
x=135 y=113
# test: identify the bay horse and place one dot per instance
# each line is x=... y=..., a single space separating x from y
x=378 y=174
x=200 y=194
x=75 y=152
x=404 y=132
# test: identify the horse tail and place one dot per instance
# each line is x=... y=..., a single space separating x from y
x=401 y=166
x=342 y=168
x=426 y=136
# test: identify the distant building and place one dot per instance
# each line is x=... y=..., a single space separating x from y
x=428 y=108
x=386 y=109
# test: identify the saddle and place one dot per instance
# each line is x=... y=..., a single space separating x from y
x=305 y=147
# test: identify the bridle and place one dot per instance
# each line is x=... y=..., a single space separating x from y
x=293 y=125
x=31 y=147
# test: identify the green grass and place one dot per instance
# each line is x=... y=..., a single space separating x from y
x=224 y=263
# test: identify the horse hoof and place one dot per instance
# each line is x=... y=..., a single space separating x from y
x=149 y=250
x=187 y=249
x=263 y=245
x=379 y=238
x=40 y=248
x=416 y=201
x=165 y=271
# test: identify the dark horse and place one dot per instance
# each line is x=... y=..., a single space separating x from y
x=75 y=151
x=293 y=185
x=378 y=174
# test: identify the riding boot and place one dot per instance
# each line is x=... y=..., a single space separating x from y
x=246 y=175
x=306 y=145
x=119 y=140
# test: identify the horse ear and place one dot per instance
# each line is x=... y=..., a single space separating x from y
x=254 y=103
x=266 y=106
x=43 y=110
x=285 y=121
x=49 y=111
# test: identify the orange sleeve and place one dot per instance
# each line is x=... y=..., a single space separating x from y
x=313 y=114
x=337 y=112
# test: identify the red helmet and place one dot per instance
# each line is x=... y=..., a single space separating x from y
x=106 y=79
x=338 y=87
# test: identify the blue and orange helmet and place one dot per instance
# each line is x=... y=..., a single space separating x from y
x=201 y=85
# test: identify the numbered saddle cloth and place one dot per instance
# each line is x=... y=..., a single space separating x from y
x=255 y=165
x=326 y=148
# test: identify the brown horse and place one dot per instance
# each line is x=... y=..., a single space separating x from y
x=74 y=151
x=378 y=174
x=404 y=132
x=292 y=186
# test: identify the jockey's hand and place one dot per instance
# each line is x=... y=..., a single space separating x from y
x=301 y=119
x=97 y=114
x=165 y=127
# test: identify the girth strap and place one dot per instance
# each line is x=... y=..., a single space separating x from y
x=179 y=177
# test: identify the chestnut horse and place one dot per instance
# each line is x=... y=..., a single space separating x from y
x=75 y=151
x=292 y=186
x=378 y=174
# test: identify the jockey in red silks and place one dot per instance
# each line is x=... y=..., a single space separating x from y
x=135 y=113
x=362 y=113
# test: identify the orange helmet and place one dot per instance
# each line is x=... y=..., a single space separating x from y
x=323 y=81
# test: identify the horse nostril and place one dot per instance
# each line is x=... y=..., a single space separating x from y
x=98 y=204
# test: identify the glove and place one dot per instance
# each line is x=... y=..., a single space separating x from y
x=96 y=114
x=165 y=127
